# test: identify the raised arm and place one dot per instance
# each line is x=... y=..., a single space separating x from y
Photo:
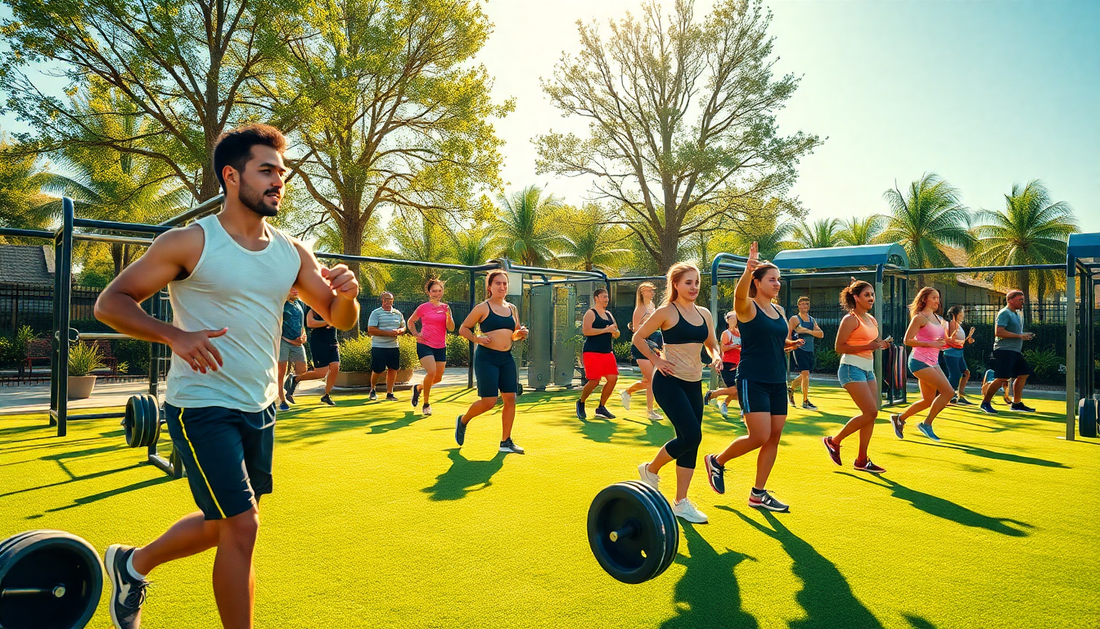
x=333 y=293
x=312 y=321
x=742 y=303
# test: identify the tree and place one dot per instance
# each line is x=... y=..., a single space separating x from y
x=525 y=229
x=821 y=234
x=681 y=116
x=182 y=63
x=1031 y=229
x=857 y=231
x=387 y=106
x=926 y=220
x=21 y=197
x=589 y=242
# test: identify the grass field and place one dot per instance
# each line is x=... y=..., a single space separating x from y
x=378 y=520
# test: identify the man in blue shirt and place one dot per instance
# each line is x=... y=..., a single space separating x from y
x=292 y=351
x=803 y=326
x=1008 y=356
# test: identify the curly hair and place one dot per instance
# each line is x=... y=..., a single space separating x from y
x=849 y=293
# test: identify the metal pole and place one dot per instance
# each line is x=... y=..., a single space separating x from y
x=878 y=317
x=1071 y=349
x=125 y=240
x=470 y=360
x=61 y=299
x=715 y=317
x=194 y=212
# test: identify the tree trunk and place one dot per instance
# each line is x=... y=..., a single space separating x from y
x=351 y=233
x=116 y=257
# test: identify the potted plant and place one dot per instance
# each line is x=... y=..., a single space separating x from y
x=83 y=360
x=355 y=363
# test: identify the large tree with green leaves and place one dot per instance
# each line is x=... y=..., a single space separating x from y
x=181 y=63
x=1031 y=229
x=820 y=234
x=681 y=115
x=857 y=231
x=388 y=107
x=925 y=220
x=21 y=181
x=525 y=228
x=589 y=242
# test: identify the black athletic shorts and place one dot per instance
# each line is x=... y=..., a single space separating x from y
x=762 y=397
x=1010 y=364
x=324 y=355
x=729 y=374
x=802 y=360
x=383 y=358
x=227 y=455
x=656 y=342
x=496 y=372
x=439 y=353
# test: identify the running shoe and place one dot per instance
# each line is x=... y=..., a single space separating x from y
x=1007 y=398
x=325 y=399
x=391 y=397
x=961 y=401
x=868 y=466
x=427 y=410
x=764 y=500
x=808 y=405
x=581 y=415
x=953 y=401
x=509 y=447
x=899 y=425
x=706 y=398
x=685 y=510
x=988 y=408
x=724 y=409
x=648 y=477
x=1021 y=407
x=654 y=416
x=283 y=406
x=834 y=450
x=373 y=395
x=926 y=430
x=127 y=591
x=716 y=473
x=790 y=394
x=416 y=395
x=460 y=430
x=625 y=397
x=291 y=386
x=601 y=411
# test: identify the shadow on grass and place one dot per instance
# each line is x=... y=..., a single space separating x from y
x=993 y=454
x=708 y=594
x=825 y=596
x=941 y=508
x=917 y=622
x=79 y=502
x=598 y=429
x=464 y=476
x=409 y=418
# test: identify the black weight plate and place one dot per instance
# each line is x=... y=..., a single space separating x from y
x=656 y=500
x=131 y=422
x=152 y=421
x=43 y=560
x=672 y=527
x=632 y=559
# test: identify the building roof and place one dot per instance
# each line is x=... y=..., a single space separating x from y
x=1085 y=250
x=25 y=264
x=842 y=258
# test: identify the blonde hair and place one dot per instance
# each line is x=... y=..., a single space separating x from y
x=638 y=294
x=921 y=300
x=675 y=272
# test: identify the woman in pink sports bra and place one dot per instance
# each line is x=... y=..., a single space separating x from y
x=927 y=336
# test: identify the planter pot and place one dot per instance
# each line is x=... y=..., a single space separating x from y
x=353 y=379
x=80 y=387
x=403 y=376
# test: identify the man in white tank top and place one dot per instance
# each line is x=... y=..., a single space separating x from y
x=227 y=277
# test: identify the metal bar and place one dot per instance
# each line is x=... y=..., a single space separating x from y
x=470 y=351
x=814 y=274
x=113 y=415
x=417 y=263
x=636 y=278
x=137 y=228
x=878 y=366
x=538 y=270
x=126 y=240
x=63 y=270
x=102 y=336
x=1071 y=348
x=164 y=465
x=988 y=269
x=195 y=212
x=26 y=233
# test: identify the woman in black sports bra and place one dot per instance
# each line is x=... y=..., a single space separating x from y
x=761 y=378
x=678 y=380
x=494 y=365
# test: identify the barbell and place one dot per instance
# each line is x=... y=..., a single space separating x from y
x=632 y=531
x=142 y=421
x=48 y=580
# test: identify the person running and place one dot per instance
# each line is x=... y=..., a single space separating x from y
x=435 y=321
x=599 y=329
x=805 y=327
x=678 y=380
x=927 y=335
x=325 y=348
x=228 y=276
x=857 y=339
x=987 y=380
x=295 y=369
x=761 y=378
x=385 y=324
x=958 y=374
x=731 y=356
x=494 y=365
x=1008 y=355
x=643 y=310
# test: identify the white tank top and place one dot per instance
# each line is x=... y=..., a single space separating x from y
x=232 y=287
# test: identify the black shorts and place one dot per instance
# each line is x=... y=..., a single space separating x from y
x=762 y=397
x=227 y=455
x=1010 y=364
x=496 y=372
x=729 y=374
x=802 y=360
x=325 y=355
x=439 y=354
x=383 y=358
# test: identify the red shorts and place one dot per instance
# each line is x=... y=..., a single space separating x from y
x=597 y=365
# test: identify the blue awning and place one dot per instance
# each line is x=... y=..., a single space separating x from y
x=842 y=258
x=1084 y=250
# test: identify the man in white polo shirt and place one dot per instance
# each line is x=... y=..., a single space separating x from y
x=385 y=324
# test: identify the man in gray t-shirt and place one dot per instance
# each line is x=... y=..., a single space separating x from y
x=384 y=325
x=1008 y=357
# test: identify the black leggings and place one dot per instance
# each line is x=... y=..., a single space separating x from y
x=682 y=401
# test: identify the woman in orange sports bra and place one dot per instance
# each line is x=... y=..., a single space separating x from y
x=856 y=341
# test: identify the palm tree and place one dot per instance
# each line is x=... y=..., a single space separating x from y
x=22 y=204
x=925 y=221
x=860 y=231
x=590 y=242
x=821 y=234
x=525 y=231
x=1031 y=229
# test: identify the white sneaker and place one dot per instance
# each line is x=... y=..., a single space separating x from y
x=625 y=397
x=648 y=477
x=654 y=415
x=723 y=409
x=684 y=509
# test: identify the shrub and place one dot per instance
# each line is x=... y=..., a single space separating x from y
x=621 y=348
x=132 y=353
x=1045 y=363
x=84 y=358
x=407 y=345
x=458 y=351
x=355 y=354
x=8 y=356
x=826 y=360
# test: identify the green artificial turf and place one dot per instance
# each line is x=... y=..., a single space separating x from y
x=378 y=520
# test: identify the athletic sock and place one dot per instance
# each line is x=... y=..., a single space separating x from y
x=758 y=492
x=130 y=568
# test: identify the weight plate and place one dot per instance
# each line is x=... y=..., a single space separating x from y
x=672 y=527
x=129 y=422
x=50 y=562
x=655 y=500
x=152 y=421
x=632 y=558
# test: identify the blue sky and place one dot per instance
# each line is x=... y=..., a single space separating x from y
x=986 y=94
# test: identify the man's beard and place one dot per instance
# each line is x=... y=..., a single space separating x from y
x=255 y=201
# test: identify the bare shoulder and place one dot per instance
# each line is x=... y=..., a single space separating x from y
x=182 y=245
